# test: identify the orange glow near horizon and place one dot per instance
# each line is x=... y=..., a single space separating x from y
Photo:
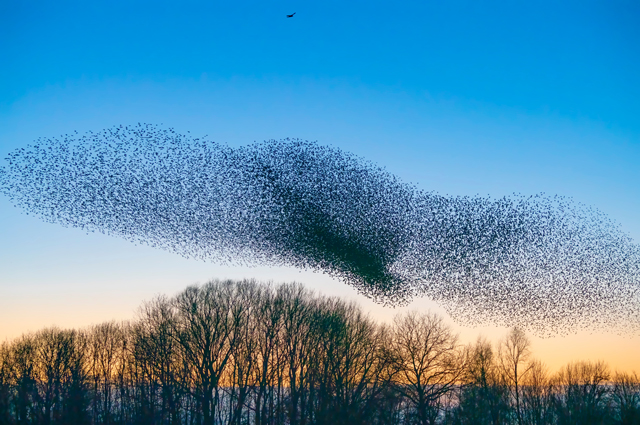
x=47 y=307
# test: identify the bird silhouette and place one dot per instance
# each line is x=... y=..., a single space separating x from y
x=291 y=16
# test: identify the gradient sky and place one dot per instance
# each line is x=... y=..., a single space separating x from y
x=461 y=98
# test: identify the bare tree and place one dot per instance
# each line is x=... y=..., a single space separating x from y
x=429 y=360
x=349 y=364
x=513 y=356
x=204 y=329
x=53 y=357
x=23 y=361
x=106 y=345
x=157 y=357
x=536 y=395
x=268 y=321
x=75 y=406
x=483 y=397
x=626 y=396
x=296 y=347
x=5 y=383
x=244 y=351
x=581 y=393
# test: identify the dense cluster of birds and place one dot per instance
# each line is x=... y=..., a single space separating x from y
x=543 y=263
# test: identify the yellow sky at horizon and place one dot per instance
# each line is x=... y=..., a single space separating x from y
x=74 y=305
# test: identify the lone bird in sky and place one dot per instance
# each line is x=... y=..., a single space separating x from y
x=291 y=16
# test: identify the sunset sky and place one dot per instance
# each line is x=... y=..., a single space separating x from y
x=458 y=97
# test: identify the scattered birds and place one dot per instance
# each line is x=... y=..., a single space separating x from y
x=540 y=262
x=291 y=16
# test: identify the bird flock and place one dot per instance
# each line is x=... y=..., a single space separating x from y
x=544 y=263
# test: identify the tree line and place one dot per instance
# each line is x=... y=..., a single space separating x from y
x=242 y=352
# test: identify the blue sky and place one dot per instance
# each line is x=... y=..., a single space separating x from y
x=578 y=60
x=458 y=97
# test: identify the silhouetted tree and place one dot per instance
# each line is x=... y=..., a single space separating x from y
x=24 y=378
x=350 y=368
x=429 y=362
x=536 y=396
x=626 y=398
x=240 y=374
x=513 y=355
x=6 y=384
x=56 y=361
x=206 y=331
x=75 y=392
x=484 y=397
x=267 y=373
x=298 y=343
x=106 y=357
x=581 y=396
x=236 y=353
x=159 y=366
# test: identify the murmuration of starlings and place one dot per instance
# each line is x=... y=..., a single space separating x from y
x=544 y=263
